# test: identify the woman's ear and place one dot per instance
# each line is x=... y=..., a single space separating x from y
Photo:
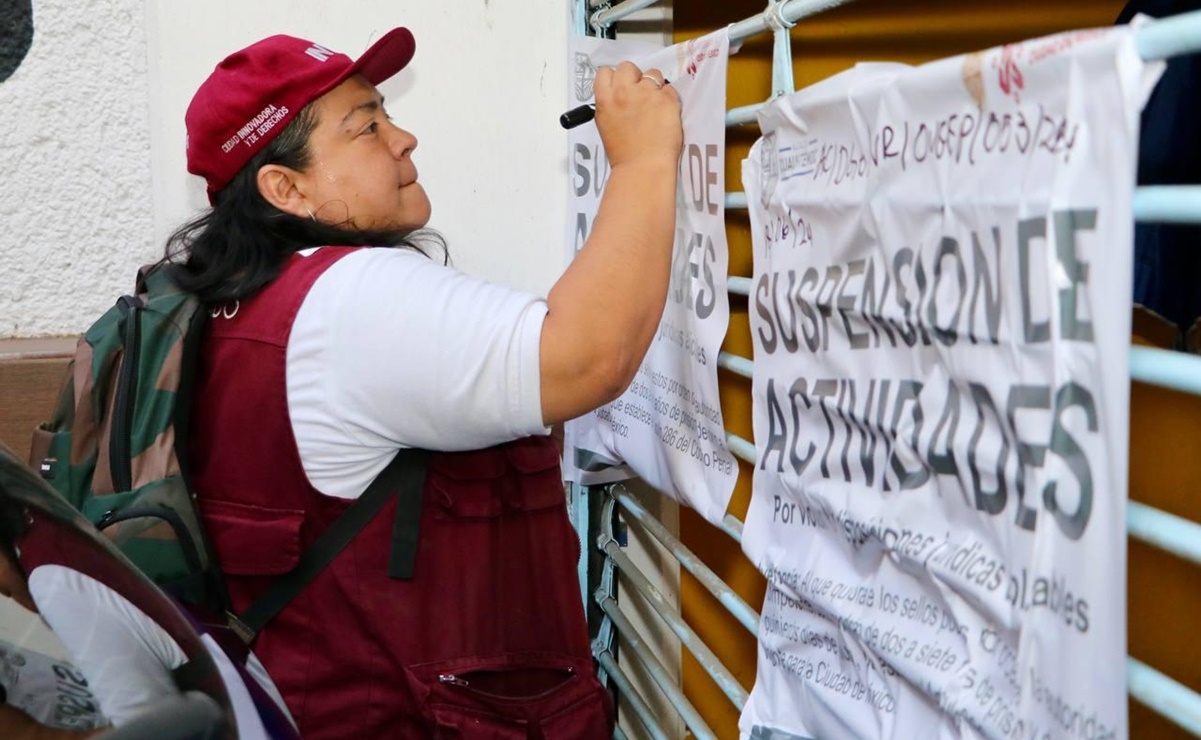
x=278 y=186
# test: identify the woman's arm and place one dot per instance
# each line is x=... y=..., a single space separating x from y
x=605 y=309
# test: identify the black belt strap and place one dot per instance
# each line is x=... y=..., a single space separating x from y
x=405 y=478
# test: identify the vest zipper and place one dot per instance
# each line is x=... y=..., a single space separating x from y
x=120 y=441
x=456 y=680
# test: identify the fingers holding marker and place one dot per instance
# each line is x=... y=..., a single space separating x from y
x=626 y=73
x=638 y=115
x=584 y=113
x=629 y=74
x=603 y=79
x=655 y=77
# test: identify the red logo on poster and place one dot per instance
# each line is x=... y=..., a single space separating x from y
x=1009 y=74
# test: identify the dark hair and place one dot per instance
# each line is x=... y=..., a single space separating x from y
x=239 y=245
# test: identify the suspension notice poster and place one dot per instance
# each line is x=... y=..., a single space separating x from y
x=941 y=318
x=667 y=427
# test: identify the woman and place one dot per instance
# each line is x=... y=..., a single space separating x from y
x=321 y=362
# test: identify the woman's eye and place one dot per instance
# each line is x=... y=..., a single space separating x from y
x=371 y=129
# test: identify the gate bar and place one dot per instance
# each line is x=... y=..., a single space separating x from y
x=719 y=588
x=672 y=618
x=642 y=652
x=627 y=692
x=1167 y=697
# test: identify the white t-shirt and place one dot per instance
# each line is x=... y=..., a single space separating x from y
x=127 y=657
x=391 y=349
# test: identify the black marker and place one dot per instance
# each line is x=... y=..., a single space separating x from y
x=578 y=116
x=582 y=114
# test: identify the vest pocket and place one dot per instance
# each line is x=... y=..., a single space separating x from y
x=512 y=696
x=521 y=476
x=536 y=461
x=253 y=540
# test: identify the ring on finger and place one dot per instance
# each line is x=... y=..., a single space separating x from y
x=653 y=79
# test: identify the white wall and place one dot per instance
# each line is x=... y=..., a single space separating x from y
x=75 y=204
x=92 y=140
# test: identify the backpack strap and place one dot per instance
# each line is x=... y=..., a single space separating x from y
x=208 y=582
x=404 y=477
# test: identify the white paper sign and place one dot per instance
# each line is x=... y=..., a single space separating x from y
x=667 y=427
x=941 y=317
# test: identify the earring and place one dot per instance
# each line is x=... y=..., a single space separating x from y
x=311 y=214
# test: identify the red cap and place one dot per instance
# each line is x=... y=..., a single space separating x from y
x=254 y=93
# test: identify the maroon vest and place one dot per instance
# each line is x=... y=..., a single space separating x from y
x=487 y=640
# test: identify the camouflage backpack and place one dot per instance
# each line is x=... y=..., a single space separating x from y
x=113 y=447
x=116 y=450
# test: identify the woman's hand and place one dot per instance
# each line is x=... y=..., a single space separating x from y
x=638 y=115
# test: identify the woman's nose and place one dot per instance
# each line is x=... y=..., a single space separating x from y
x=402 y=142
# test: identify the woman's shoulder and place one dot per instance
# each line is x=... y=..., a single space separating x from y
x=378 y=280
x=386 y=266
x=378 y=257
